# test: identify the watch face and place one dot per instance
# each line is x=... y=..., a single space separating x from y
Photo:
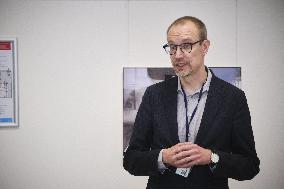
x=214 y=158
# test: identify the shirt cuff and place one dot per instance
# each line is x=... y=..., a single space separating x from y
x=161 y=165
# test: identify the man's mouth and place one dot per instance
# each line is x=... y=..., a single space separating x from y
x=180 y=66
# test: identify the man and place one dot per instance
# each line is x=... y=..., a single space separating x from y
x=192 y=131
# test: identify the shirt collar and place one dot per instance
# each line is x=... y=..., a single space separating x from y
x=205 y=87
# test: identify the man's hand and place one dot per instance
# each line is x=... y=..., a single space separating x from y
x=187 y=154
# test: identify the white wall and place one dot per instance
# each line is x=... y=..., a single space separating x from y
x=71 y=55
x=261 y=55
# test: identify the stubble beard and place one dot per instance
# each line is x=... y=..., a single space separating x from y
x=183 y=73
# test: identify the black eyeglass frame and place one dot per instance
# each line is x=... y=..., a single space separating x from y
x=191 y=44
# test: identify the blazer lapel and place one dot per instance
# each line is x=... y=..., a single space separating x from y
x=170 y=107
x=213 y=103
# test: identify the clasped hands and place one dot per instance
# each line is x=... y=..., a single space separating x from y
x=186 y=154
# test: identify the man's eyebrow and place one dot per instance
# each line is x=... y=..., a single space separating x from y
x=188 y=40
x=183 y=42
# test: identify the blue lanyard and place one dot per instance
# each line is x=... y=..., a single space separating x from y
x=194 y=111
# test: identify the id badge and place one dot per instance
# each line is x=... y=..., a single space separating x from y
x=183 y=171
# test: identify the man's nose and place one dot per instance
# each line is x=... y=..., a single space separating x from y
x=179 y=52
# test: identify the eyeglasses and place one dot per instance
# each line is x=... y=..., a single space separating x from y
x=171 y=49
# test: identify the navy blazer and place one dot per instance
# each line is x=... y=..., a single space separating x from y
x=225 y=128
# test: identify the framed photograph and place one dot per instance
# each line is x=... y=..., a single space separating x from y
x=136 y=80
x=8 y=83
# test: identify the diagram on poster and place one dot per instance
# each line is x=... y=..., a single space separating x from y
x=5 y=83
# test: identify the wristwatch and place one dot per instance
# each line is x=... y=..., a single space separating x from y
x=214 y=157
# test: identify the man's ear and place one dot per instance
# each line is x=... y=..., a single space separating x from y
x=205 y=46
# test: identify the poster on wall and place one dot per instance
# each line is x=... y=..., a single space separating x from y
x=136 y=80
x=8 y=83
